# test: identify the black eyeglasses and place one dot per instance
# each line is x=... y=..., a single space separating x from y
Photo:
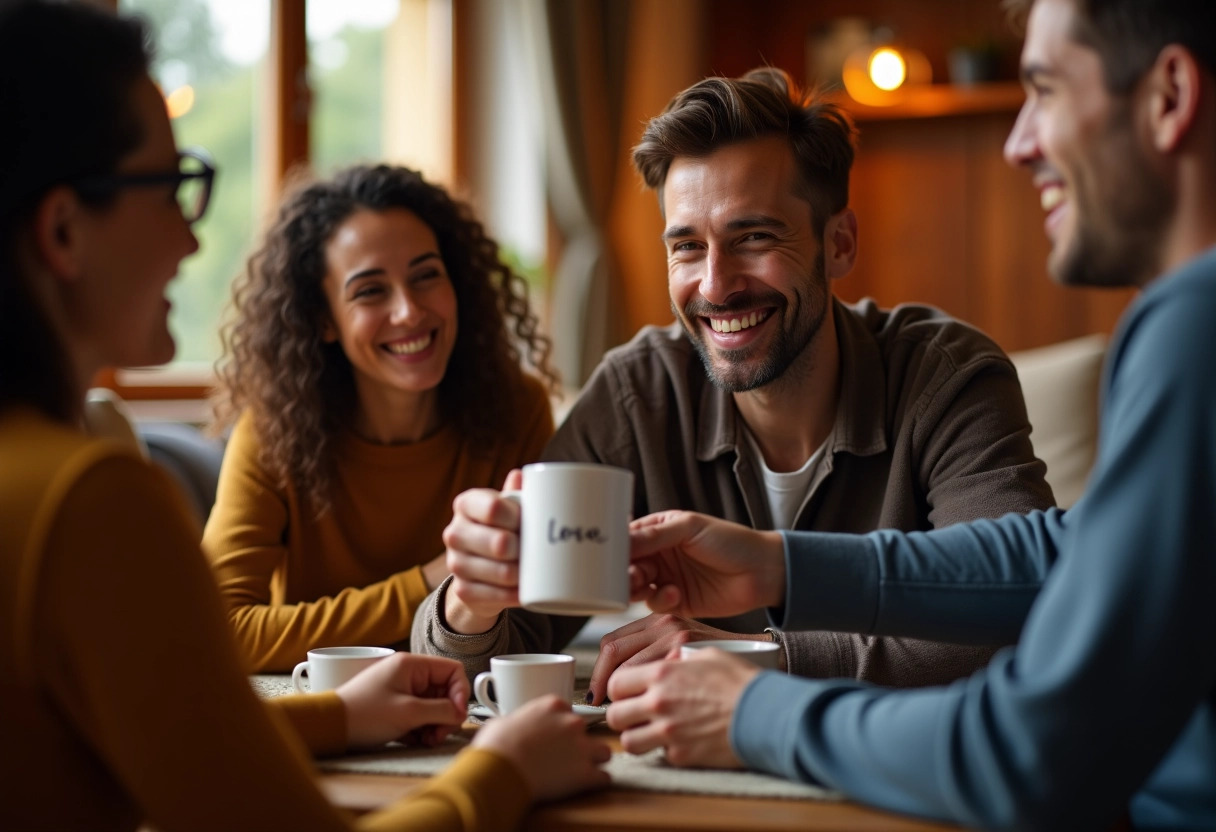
x=192 y=183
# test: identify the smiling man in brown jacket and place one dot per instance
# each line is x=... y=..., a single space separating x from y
x=768 y=402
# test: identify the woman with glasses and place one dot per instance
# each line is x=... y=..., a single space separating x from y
x=373 y=373
x=123 y=701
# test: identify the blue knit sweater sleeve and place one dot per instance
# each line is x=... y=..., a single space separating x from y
x=1108 y=699
x=967 y=583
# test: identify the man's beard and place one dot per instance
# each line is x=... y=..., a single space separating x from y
x=740 y=370
x=1119 y=223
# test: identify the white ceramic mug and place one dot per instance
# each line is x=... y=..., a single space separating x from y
x=766 y=654
x=574 y=537
x=329 y=667
x=521 y=677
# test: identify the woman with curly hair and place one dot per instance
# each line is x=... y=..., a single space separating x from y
x=373 y=373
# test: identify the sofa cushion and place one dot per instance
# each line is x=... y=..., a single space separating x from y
x=1060 y=384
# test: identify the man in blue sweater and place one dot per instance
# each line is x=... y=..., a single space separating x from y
x=1106 y=707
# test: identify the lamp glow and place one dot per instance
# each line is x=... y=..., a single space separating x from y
x=887 y=69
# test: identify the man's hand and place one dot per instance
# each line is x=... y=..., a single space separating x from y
x=483 y=556
x=647 y=640
x=549 y=745
x=694 y=565
x=684 y=707
x=405 y=697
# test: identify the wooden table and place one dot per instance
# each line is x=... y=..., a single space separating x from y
x=621 y=810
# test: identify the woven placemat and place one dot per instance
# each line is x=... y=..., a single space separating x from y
x=643 y=772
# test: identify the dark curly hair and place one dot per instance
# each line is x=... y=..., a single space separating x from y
x=300 y=390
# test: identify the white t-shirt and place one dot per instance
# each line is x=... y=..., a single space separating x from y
x=786 y=492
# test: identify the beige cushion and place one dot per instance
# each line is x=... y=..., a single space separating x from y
x=1060 y=383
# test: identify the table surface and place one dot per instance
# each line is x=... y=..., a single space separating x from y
x=628 y=810
x=622 y=810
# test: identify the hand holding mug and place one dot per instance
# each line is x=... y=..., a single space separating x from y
x=684 y=707
x=564 y=549
x=482 y=543
x=405 y=697
x=698 y=566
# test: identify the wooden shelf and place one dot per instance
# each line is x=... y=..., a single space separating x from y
x=937 y=100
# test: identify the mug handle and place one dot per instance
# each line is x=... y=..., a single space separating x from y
x=481 y=689
x=301 y=668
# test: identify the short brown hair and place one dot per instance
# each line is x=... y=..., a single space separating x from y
x=717 y=112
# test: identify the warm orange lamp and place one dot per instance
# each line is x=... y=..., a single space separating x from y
x=879 y=76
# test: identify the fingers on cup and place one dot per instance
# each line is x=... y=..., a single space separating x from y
x=470 y=542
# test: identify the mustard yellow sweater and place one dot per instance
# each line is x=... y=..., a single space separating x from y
x=123 y=700
x=293 y=581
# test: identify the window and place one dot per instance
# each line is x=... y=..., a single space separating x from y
x=210 y=62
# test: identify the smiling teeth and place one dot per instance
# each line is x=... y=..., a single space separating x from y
x=736 y=324
x=410 y=347
x=1051 y=196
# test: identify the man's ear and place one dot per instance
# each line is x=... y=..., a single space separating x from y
x=1174 y=90
x=840 y=244
x=57 y=233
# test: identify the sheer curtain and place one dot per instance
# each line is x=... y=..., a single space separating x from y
x=580 y=50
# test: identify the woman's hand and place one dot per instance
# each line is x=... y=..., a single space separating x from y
x=407 y=697
x=483 y=556
x=550 y=746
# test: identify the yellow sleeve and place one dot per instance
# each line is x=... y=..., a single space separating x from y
x=243 y=540
x=479 y=790
x=319 y=719
x=132 y=645
x=135 y=651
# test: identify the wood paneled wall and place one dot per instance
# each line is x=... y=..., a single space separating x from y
x=943 y=220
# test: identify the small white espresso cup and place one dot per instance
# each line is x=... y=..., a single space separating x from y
x=766 y=654
x=329 y=667
x=574 y=537
x=520 y=677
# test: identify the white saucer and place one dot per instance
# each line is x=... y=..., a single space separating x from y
x=590 y=713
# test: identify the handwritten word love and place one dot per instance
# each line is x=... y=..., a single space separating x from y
x=577 y=534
